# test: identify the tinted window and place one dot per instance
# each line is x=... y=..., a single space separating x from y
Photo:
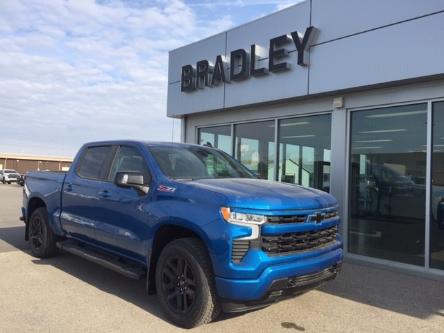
x=387 y=194
x=129 y=159
x=197 y=163
x=437 y=200
x=93 y=162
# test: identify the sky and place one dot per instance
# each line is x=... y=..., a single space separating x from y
x=85 y=70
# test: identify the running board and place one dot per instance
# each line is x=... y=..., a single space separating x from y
x=125 y=268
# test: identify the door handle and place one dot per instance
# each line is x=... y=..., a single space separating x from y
x=68 y=187
x=104 y=194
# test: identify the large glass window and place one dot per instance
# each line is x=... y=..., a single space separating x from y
x=217 y=137
x=255 y=147
x=387 y=192
x=304 y=151
x=437 y=197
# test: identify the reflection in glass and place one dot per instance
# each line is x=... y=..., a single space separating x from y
x=217 y=137
x=387 y=188
x=437 y=198
x=304 y=151
x=255 y=147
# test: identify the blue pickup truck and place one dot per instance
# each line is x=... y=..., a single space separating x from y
x=204 y=231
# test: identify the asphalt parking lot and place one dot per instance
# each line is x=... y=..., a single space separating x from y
x=69 y=294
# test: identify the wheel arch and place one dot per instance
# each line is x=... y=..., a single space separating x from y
x=164 y=235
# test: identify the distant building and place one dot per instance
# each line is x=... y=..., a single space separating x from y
x=24 y=163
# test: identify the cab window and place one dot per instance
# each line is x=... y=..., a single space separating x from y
x=94 y=162
x=128 y=159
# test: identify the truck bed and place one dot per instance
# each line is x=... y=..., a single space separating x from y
x=47 y=185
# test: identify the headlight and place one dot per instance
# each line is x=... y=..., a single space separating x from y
x=245 y=220
x=235 y=217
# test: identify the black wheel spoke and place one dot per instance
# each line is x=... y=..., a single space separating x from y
x=179 y=299
x=172 y=295
x=178 y=284
x=36 y=232
x=180 y=265
x=184 y=301
x=169 y=273
x=172 y=267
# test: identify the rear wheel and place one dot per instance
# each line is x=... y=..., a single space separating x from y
x=185 y=284
x=41 y=237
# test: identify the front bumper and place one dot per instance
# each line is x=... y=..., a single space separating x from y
x=284 y=288
x=12 y=180
x=264 y=287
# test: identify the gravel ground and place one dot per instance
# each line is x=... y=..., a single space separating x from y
x=69 y=294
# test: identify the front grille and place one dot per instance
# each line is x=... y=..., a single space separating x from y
x=240 y=249
x=299 y=241
x=315 y=218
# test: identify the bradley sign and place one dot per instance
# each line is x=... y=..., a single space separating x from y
x=244 y=64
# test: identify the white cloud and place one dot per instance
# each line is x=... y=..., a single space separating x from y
x=76 y=71
x=79 y=70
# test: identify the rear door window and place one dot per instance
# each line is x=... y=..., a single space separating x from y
x=95 y=162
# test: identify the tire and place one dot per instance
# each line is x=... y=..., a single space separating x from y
x=185 y=284
x=9 y=183
x=41 y=238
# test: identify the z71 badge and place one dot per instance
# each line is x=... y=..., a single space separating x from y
x=164 y=188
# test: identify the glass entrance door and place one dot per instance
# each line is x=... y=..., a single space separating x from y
x=388 y=183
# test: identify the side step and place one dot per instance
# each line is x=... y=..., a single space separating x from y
x=125 y=268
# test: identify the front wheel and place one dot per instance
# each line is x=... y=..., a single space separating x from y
x=185 y=284
x=41 y=237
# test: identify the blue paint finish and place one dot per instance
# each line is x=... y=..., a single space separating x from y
x=125 y=222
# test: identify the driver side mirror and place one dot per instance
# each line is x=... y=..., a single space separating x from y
x=131 y=179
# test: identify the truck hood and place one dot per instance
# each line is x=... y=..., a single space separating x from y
x=265 y=195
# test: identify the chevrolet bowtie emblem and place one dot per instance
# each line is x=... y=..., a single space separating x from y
x=317 y=218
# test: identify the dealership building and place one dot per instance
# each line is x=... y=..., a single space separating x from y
x=343 y=96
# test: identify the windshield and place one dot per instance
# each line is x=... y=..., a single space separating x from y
x=10 y=171
x=197 y=163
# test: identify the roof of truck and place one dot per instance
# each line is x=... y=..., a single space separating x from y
x=145 y=143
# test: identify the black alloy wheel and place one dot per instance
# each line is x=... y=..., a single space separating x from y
x=36 y=232
x=185 y=283
x=178 y=284
x=41 y=238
